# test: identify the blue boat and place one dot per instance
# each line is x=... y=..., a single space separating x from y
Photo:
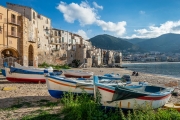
x=110 y=76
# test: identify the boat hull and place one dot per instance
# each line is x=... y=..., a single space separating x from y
x=77 y=76
x=57 y=87
x=135 y=103
x=25 y=78
x=172 y=106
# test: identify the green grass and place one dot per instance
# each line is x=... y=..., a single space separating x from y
x=85 y=107
x=57 y=67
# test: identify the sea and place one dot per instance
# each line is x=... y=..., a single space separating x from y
x=169 y=69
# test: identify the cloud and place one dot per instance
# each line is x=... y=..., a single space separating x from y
x=142 y=12
x=154 y=31
x=87 y=15
x=83 y=34
x=118 y=28
x=97 y=6
x=83 y=13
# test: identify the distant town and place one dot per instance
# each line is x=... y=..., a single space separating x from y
x=152 y=56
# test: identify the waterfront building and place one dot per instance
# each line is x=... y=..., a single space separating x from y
x=39 y=28
x=14 y=39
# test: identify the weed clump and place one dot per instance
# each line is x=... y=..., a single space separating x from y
x=85 y=107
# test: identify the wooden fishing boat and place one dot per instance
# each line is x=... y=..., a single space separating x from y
x=77 y=74
x=110 y=76
x=127 y=97
x=57 y=85
x=175 y=106
x=27 y=75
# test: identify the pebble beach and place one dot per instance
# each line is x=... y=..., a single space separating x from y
x=33 y=93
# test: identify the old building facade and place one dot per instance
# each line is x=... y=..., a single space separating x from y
x=14 y=37
x=39 y=28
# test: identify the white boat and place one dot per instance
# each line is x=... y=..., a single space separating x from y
x=132 y=97
x=77 y=74
x=29 y=75
x=57 y=85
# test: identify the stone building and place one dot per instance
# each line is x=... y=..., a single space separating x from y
x=39 y=28
x=61 y=42
x=112 y=58
x=14 y=38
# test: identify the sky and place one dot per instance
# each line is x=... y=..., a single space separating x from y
x=119 y=18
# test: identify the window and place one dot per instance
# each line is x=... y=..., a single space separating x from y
x=72 y=41
x=12 y=28
x=0 y=30
x=0 y=16
x=33 y=15
x=46 y=21
x=62 y=39
x=33 y=22
x=13 y=18
x=39 y=16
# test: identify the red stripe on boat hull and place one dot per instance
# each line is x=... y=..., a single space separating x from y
x=76 y=76
x=141 y=98
x=154 y=98
x=112 y=91
x=26 y=80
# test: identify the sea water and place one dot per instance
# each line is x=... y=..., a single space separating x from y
x=170 y=69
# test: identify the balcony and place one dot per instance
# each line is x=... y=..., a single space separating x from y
x=32 y=40
x=56 y=42
x=55 y=49
x=14 y=21
x=14 y=34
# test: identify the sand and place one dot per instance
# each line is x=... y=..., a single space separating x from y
x=32 y=93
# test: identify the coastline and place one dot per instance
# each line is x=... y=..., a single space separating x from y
x=33 y=93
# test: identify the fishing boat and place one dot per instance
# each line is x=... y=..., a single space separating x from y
x=77 y=74
x=14 y=74
x=127 y=97
x=110 y=76
x=57 y=85
x=175 y=106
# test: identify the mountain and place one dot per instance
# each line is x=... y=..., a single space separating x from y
x=135 y=40
x=164 y=43
x=112 y=43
